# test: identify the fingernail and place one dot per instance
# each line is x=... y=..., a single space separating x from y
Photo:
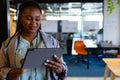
x=47 y=60
x=55 y=56
x=45 y=63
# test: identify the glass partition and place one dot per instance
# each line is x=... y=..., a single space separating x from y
x=72 y=20
x=76 y=20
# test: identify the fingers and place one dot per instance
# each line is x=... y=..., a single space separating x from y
x=51 y=65
x=57 y=59
x=56 y=65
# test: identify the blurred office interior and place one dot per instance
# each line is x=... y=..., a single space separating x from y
x=67 y=21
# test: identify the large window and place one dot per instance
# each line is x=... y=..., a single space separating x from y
x=79 y=20
x=83 y=19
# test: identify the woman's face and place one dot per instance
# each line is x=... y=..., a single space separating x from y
x=31 y=19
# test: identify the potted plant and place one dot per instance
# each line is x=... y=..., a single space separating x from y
x=110 y=6
x=100 y=31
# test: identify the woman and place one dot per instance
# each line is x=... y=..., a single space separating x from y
x=29 y=35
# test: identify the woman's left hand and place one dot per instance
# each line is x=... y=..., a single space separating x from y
x=56 y=65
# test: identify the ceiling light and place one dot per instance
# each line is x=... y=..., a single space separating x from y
x=11 y=9
x=50 y=9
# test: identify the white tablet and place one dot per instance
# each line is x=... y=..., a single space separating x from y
x=35 y=57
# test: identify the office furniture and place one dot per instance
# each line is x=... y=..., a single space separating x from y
x=104 y=47
x=91 y=48
x=111 y=52
x=81 y=50
x=112 y=64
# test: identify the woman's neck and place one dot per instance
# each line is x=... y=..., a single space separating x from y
x=29 y=37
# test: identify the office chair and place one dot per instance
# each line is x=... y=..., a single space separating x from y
x=82 y=52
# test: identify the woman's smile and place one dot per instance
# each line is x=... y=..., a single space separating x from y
x=32 y=27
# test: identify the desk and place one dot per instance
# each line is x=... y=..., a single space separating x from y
x=103 y=48
x=109 y=46
x=112 y=64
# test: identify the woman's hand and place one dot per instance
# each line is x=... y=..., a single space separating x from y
x=56 y=65
x=13 y=74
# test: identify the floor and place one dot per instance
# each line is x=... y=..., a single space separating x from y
x=89 y=78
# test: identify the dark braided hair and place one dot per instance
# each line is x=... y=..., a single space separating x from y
x=23 y=6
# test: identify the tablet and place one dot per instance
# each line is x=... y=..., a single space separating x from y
x=35 y=57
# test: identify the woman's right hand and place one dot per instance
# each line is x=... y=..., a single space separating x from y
x=13 y=74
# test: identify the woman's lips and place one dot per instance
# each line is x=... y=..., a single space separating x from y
x=33 y=28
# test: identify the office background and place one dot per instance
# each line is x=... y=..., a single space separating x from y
x=110 y=22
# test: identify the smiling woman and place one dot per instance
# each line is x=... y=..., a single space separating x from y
x=29 y=35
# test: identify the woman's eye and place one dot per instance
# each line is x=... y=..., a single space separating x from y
x=28 y=18
x=37 y=19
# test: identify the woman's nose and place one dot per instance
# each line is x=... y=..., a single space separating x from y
x=33 y=22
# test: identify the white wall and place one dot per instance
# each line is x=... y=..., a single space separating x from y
x=112 y=24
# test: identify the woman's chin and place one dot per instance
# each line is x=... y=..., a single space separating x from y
x=33 y=31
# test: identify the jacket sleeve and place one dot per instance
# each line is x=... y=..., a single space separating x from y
x=53 y=76
x=4 y=64
x=51 y=42
x=63 y=75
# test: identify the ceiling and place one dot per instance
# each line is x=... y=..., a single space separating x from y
x=72 y=8
x=67 y=8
